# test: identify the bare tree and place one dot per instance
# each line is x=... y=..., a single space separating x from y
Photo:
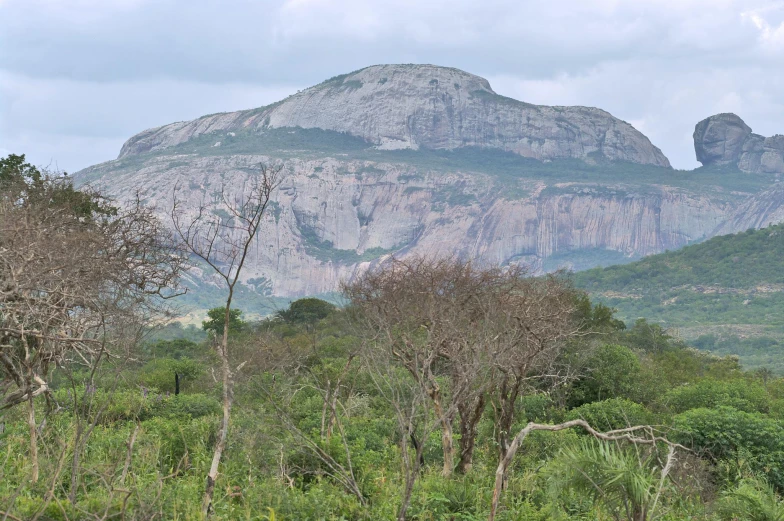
x=72 y=269
x=223 y=244
x=533 y=322
x=409 y=404
x=420 y=309
x=492 y=333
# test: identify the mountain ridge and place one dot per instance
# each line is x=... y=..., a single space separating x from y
x=348 y=203
x=408 y=106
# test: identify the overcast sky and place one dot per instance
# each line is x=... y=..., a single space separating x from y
x=78 y=77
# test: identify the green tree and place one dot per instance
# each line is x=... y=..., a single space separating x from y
x=306 y=311
x=742 y=394
x=615 y=413
x=216 y=320
x=612 y=371
x=28 y=186
x=14 y=169
x=596 y=318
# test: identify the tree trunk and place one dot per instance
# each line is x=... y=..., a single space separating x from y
x=33 y=440
x=76 y=454
x=469 y=419
x=639 y=513
x=228 y=398
x=447 y=438
x=508 y=396
x=411 y=471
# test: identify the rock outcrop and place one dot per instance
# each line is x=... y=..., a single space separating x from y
x=334 y=217
x=412 y=106
x=724 y=139
x=350 y=197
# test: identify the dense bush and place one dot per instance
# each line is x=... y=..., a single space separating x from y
x=726 y=433
x=285 y=452
x=615 y=413
x=159 y=374
x=612 y=371
x=742 y=394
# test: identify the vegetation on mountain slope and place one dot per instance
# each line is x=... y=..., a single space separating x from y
x=725 y=294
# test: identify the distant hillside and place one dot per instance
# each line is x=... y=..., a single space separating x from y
x=725 y=294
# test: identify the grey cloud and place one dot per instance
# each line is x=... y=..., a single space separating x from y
x=78 y=77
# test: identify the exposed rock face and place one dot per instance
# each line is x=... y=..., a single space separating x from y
x=726 y=139
x=347 y=203
x=330 y=225
x=412 y=106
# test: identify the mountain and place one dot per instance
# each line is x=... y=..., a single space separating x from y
x=403 y=159
x=725 y=294
x=412 y=106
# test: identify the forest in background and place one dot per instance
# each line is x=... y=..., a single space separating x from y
x=442 y=390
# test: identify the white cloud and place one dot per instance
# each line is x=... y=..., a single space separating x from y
x=78 y=123
x=771 y=33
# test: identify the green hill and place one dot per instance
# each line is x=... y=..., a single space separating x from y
x=725 y=295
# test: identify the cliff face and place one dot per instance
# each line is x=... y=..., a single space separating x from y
x=428 y=160
x=413 y=106
x=333 y=217
x=726 y=139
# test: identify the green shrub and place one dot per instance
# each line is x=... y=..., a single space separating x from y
x=615 y=413
x=190 y=405
x=137 y=405
x=726 y=433
x=752 y=500
x=159 y=374
x=740 y=394
x=613 y=371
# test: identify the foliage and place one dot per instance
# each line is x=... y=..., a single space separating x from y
x=753 y=500
x=612 y=371
x=306 y=311
x=725 y=433
x=614 y=413
x=314 y=407
x=620 y=477
x=216 y=320
x=160 y=373
x=742 y=394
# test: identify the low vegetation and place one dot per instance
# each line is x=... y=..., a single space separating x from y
x=441 y=390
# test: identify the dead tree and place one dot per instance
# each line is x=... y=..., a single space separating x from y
x=72 y=268
x=436 y=318
x=533 y=322
x=638 y=435
x=223 y=244
x=408 y=401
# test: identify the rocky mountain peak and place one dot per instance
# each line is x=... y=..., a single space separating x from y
x=408 y=79
x=413 y=106
x=726 y=139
